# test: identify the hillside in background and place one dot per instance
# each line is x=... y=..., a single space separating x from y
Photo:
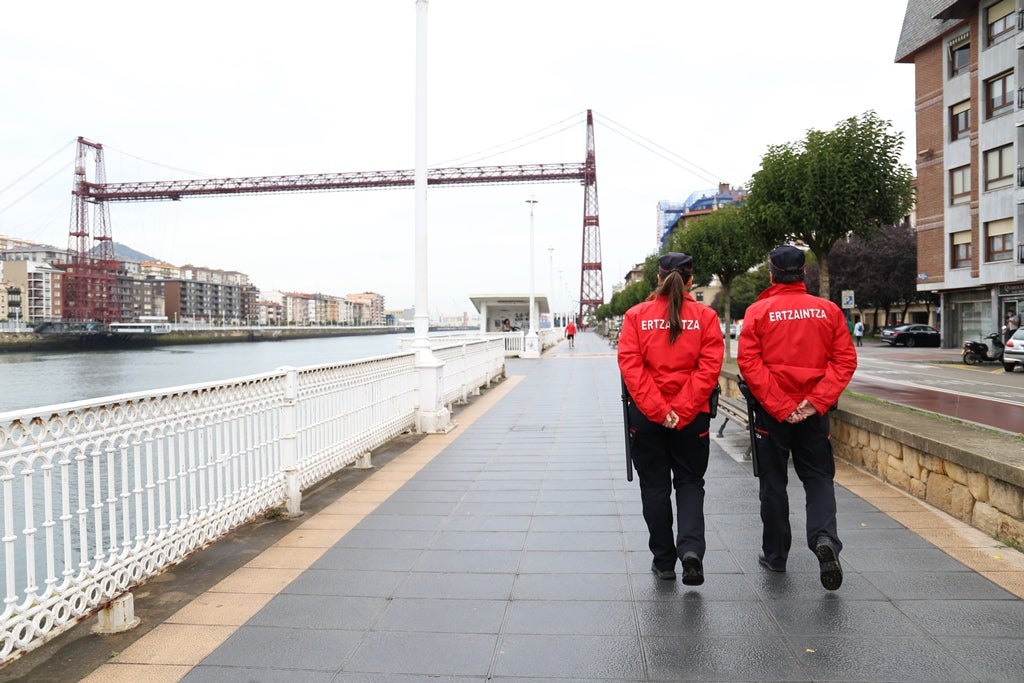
x=126 y=253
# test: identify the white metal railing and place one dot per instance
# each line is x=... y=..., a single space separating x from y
x=466 y=373
x=97 y=496
x=515 y=342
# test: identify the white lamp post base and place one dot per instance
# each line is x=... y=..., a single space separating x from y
x=531 y=349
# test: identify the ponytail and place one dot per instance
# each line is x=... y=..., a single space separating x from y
x=673 y=286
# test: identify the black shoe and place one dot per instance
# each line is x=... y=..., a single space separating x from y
x=664 y=574
x=828 y=559
x=763 y=561
x=693 y=570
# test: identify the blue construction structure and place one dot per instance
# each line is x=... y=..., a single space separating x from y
x=699 y=202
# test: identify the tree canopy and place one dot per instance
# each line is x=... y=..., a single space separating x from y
x=724 y=245
x=633 y=293
x=830 y=185
x=880 y=270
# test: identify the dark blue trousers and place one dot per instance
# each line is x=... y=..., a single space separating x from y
x=667 y=459
x=811 y=446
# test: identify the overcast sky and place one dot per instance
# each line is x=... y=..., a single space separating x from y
x=685 y=95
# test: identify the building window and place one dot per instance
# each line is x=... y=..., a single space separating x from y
x=999 y=167
x=960 y=185
x=999 y=240
x=1000 y=20
x=960 y=120
x=959 y=55
x=960 y=251
x=999 y=94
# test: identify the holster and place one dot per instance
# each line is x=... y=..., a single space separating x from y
x=713 y=400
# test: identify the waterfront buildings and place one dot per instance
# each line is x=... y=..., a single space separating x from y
x=31 y=276
x=967 y=55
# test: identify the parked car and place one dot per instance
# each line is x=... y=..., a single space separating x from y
x=734 y=329
x=1013 y=352
x=913 y=334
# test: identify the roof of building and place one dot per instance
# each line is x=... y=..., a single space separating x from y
x=926 y=20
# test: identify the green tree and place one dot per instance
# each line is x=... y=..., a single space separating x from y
x=830 y=185
x=880 y=270
x=631 y=294
x=724 y=245
x=745 y=290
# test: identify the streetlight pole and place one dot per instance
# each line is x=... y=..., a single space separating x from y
x=432 y=416
x=532 y=342
x=551 y=282
x=421 y=319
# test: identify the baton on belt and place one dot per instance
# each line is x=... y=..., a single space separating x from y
x=625 y=425
x=751 y=414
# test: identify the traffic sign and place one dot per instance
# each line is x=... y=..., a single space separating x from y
x=848 y=299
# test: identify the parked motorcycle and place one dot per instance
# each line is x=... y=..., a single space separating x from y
x=978 y=351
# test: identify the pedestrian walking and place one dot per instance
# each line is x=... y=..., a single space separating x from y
x=858 y=332
x=1012 y=324
x=670 y=355
x=796 y=358
x=570 y=333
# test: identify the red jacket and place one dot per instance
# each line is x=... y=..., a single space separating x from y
x=680 y=376
x=794 y=346
x=570 y=328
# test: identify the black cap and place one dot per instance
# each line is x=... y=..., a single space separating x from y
x=787 y=259
x=675 y=260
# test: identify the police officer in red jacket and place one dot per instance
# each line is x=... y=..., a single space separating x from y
x=796 y=356
x=670 y=355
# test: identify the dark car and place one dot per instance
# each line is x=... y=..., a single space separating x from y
x=914 y=334
x=1013 y=352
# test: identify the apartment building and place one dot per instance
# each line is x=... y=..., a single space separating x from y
x=10 y=305
x=374 y=307
x=195 y=301
x=39 y=286
x=138 y=296
x=13 y=243
x=160 y=270
x=970 y=178
x=42 y=253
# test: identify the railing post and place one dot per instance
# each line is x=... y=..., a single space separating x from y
x=289 y=445
x=432 y=417
x=117 y=616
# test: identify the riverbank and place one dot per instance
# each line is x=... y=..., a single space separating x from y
x=31 y=341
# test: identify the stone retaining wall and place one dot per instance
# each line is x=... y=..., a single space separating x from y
x=971 y=473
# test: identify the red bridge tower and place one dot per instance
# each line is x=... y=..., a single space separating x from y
x=591 y=279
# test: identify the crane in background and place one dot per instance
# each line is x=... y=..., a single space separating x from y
x=91 y=270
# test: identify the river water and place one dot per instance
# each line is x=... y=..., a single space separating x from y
x=33 y=379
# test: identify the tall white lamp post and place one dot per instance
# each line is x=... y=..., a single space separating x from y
x=432 y=416
x=532 y=349
x=551 y=283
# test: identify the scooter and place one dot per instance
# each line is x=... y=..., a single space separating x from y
x=978 y=352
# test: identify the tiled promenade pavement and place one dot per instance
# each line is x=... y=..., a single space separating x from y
x=513 y=549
